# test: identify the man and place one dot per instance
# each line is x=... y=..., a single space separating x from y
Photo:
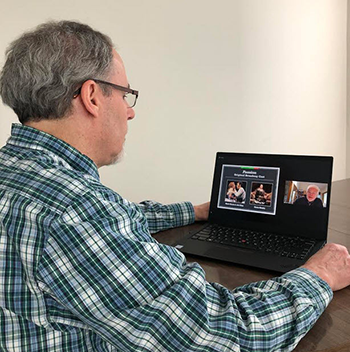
x=310 y=199
x=240 y=193
x=79 y=269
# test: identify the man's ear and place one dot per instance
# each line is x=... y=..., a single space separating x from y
x=90 y=95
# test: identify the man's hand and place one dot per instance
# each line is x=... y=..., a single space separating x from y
x=332 y=264
x=201 y=212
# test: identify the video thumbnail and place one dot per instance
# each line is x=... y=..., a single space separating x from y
x=261 y=193
x=310 y=194
x=236 y=191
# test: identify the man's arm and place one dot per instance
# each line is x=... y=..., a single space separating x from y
x=276 y=314
x=161 y=217
x=238 y=193
x=107 y=272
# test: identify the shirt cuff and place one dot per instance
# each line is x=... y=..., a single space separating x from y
x=317 y=289
x=183 y=213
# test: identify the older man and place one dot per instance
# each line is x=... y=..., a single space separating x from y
x=311 y=198
x=79 y=268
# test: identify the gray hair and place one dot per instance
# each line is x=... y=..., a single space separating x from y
x=45 y=66
x=313 y=186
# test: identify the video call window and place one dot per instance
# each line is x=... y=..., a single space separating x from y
x=309 y=194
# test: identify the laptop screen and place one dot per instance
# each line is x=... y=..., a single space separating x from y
x=276 y=193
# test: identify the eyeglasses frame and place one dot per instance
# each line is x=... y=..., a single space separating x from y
x=115 y=86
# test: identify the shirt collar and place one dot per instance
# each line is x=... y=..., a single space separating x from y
x=28 y=137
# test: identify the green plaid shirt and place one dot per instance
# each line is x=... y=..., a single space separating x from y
x=81 y=272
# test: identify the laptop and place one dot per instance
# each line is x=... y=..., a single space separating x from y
x=266 y=211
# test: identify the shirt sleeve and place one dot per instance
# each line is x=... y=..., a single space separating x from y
x=239 y=192
x=161 y=217
x=103 y=274
x=282 y=310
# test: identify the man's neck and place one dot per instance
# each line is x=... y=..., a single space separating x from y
x=70 y=131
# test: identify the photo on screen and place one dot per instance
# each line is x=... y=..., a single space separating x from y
x=311 y=194
x=261 y=194
x=236 y=191
x=249 y=188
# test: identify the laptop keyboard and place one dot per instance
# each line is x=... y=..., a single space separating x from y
x=291 y=247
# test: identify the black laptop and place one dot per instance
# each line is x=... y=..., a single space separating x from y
x=266 y=211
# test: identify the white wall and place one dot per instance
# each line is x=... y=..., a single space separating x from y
x=228 y=75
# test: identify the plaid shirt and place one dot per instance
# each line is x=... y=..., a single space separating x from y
x=81 y=272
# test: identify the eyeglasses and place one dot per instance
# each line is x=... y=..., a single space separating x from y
x=130 y=97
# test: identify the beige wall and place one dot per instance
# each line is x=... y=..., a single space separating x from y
x=228 y=75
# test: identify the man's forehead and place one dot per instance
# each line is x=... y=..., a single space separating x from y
x=118 y=65
x=118 y=60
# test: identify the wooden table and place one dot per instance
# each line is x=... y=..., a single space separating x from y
x=332 y=330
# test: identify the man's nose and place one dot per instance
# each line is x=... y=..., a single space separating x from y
x=131 y=113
